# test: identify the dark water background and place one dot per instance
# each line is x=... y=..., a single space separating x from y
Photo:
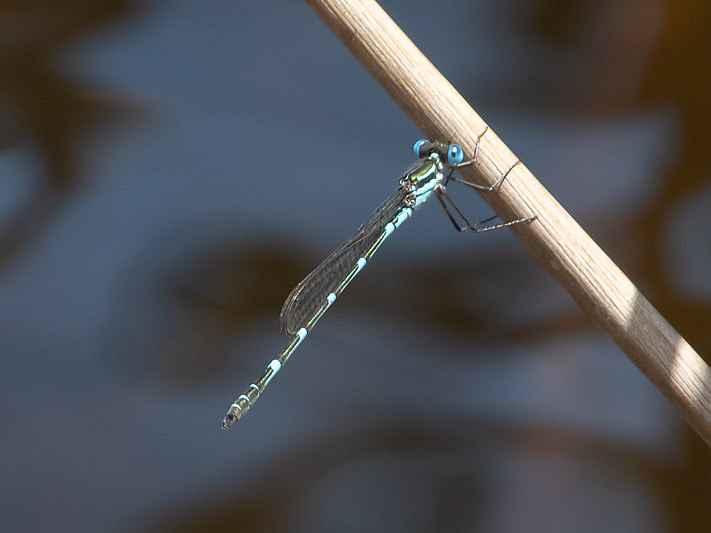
x=169 y=170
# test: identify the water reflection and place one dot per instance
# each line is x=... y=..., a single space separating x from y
x=48 y=108
x=446 y=390
x=457 y=475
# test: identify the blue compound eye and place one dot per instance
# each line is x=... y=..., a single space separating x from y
x=455 y=155
x=416 y=147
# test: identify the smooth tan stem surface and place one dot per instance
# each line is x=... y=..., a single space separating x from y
x=558 y=242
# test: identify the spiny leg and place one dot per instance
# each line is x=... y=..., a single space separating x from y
x=442 y=195
x=438 y=194
x=486 y=220
x=485 y=188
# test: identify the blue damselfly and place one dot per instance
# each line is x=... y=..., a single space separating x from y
x=316 y=293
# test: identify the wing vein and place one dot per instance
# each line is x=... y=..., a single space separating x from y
x=306 y=298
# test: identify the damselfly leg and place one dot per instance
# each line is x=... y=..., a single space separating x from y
x=476 y=227
x=441 y=194
x=484 y=188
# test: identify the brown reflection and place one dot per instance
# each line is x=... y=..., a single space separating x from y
x=676 y=73
x=446 y=459
x=182 y=319
x=681 y=74
x=46 y=108
x=185 y=319
x=673 y=43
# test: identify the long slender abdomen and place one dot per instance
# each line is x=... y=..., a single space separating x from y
x=246 y=400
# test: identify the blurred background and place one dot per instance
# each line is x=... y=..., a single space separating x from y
x=170 y=170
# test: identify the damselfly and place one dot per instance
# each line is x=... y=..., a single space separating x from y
x=316 y=293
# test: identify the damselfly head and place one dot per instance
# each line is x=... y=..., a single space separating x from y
x=452 y=153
